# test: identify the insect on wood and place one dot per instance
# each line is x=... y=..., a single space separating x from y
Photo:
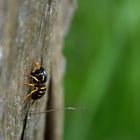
x=38 y=80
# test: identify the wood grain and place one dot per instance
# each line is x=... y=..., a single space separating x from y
x=31 y=30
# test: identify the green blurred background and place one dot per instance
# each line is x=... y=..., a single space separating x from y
x=103 y=71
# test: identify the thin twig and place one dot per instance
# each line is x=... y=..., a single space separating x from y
x=59 y=109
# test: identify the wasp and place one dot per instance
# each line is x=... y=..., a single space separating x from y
x=38 y=79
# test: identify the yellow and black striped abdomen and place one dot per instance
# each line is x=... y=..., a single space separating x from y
x=38 y=91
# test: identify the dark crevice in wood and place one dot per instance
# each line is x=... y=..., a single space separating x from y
x=49 y=126
x=49 y=3
x=27 y=107
x=24 y=126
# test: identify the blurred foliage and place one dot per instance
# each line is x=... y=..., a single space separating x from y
x=103 y=71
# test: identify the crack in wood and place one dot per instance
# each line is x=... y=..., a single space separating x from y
x=27 y=107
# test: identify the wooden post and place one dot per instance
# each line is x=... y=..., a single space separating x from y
x=32 y=30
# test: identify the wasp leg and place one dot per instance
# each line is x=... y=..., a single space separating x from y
x=28 y=84
x=33 y=77
x=30 y=94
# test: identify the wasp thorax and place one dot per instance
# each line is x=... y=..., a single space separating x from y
x=40 y=75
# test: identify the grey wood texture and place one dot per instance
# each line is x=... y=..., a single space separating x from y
x=30 y=30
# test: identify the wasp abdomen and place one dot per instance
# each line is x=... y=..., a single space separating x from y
x=40 y=90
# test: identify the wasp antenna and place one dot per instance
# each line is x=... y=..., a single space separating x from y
x=59 y=109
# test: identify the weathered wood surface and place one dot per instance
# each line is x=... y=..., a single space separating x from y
x=30 y=30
